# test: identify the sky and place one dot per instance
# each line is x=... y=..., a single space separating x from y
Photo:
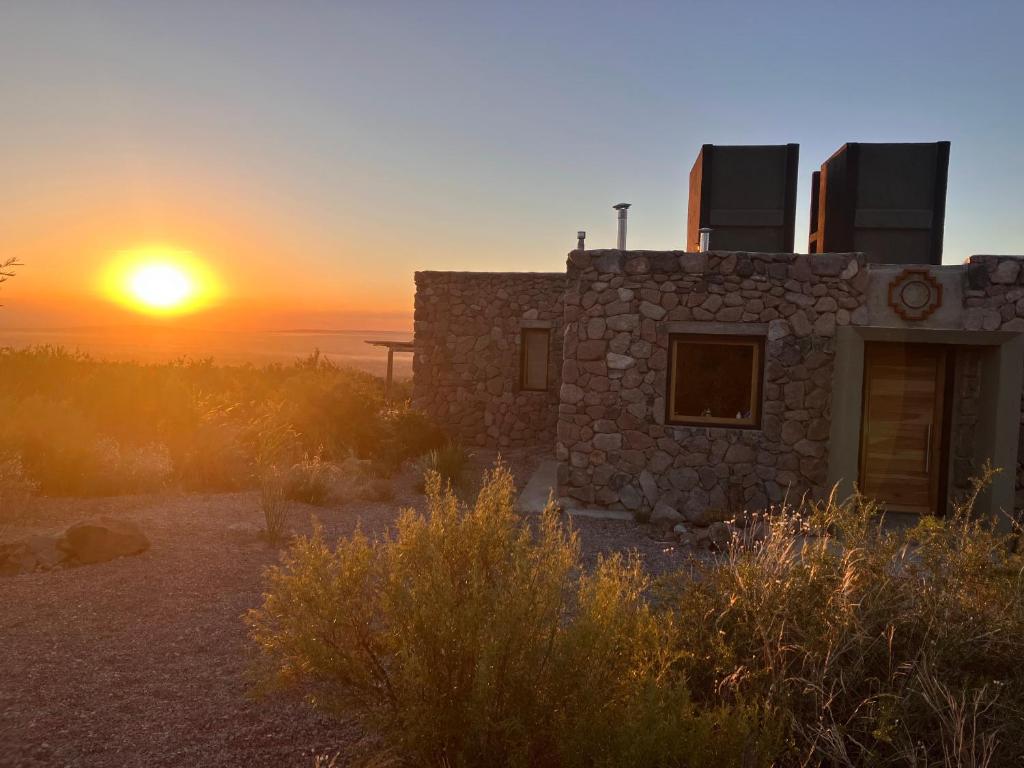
x=316 y=154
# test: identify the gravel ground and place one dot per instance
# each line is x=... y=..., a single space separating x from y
x=142 y=661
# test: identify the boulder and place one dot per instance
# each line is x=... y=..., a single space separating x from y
x=665 y=515
x=33 y=553
x=720 y=534
x=102 y=539
x=703 y=515
x=45 y=550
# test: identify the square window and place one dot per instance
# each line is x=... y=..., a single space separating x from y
x=533 y=373
x=715 y=380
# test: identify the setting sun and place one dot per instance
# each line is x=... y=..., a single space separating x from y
x=160 y=280
x=160 y=285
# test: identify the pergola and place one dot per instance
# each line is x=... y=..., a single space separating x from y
x=392 y=347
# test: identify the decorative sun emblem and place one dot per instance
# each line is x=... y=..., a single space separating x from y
x=914 y=294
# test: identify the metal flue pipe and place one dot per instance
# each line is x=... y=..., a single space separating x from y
x=622 y=208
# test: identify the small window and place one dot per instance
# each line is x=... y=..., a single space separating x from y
x=533 y=374
x=715 y=380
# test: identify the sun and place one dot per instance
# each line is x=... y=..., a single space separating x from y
x=160 y=280
x=161 y=286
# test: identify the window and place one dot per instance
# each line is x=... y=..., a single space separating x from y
x=715 y=380
x=533 y=362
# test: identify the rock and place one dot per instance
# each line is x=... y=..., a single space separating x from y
x=809 y=448
x=45 y=550
x=624 y=323
x=102 y=539
x=850 y=271
x=683 y=479
x=800 y=324
x=650 y=488
x=792 y=431
x=653 y=311
x=720 y=535
x=630 y=497
x=1006 y=273
x=825 y=325
x=665 y=515
x=778 y=329
x=619 y=362
x=591 y=350
x=706 y=515
x=33 y=553
x=570 y=393
x=608 y=441
x=739 y=454
x=693 y=263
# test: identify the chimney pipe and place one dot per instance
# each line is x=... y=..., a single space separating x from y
x=622 y=208
x=705 y=239
x=580 y=237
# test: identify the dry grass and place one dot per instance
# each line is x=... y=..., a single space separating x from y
x=16 y=496
x=86 y=427
x=883 y=647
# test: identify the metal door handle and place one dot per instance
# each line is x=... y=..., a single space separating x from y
x=928 y=449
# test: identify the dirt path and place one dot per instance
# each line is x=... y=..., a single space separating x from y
x=142 y=661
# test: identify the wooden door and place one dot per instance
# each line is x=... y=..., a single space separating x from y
x=901 y=460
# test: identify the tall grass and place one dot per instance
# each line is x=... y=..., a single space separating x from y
x=82 y=426
x=884 y=647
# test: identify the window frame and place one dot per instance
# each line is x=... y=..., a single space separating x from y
x=757 y=342
x=523 y=333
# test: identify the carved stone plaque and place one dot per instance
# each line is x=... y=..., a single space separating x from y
x=914 y=294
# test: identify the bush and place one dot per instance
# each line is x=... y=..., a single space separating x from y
x=407 y=434
x=86 y=427
x=884 y=648
x=468 y=638
x=309 y=480
x=16 y=492
x=450 y=462
x=273 y=503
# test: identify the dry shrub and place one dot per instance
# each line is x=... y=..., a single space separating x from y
x=309 y=480
x=276 y=447
x=273 y=503
x=884 y=647
x=16 y=494
x=64 y=411
x=213 y=453
x=469 y=637
x=450 y=461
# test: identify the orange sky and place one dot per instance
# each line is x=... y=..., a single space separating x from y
x=66 y=235
x=316 y=156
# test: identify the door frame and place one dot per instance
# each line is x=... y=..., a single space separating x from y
x=938 y=483
x=1002 y=377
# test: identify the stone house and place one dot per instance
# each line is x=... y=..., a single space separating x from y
x=730 y=380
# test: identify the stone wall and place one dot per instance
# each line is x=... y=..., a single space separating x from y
x=614 y=447
x=994 y=301
x=963 y=430
x=466 y=373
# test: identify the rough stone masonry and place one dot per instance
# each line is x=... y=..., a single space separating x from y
x=620 y=308
x=467 y=353
x=611 y=317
